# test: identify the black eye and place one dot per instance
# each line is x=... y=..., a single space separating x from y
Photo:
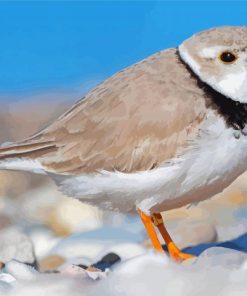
x=227 y=57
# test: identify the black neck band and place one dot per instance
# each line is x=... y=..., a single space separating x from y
x=234 y=112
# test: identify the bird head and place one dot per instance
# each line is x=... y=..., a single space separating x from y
x=218 y=57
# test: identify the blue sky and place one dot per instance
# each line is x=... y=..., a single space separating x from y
x=64 y=46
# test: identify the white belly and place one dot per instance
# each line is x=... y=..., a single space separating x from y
x=213 y=161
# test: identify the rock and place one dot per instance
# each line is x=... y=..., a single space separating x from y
x=51 y=263
x=105 y=263
x=43 y=240
x=5 y=283
x=63 y=215
x=7 y=278
x=219 y=256
x=187 y=234
x=193 y=233
x=16 y=245
x=96 y=274
x=96 y=243
x=72 y=270
x=20 y=271
x=70 y=215
x=90 y=272
x=29 y=282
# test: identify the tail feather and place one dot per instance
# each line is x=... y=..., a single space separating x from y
x=16 y=150
x=23 y=156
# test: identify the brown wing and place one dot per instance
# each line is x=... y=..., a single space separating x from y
x=133 y=121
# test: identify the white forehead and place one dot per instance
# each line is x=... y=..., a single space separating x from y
x=186 y=57
x=211 y=52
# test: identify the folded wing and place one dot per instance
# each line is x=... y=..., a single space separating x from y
x=135 y=120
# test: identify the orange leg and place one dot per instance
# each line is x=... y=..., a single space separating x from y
x=157 y=220
x=173 y=250
x=147 y=221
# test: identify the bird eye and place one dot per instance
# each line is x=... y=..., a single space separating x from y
x=227 y=57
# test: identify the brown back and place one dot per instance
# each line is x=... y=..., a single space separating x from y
x=134 y=121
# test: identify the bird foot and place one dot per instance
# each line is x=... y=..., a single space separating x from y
x=177 y=255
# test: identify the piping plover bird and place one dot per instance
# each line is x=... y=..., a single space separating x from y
x=160 y=134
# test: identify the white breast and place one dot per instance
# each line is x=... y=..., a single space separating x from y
x=214 y=160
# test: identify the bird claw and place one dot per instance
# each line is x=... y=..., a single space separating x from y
x=176 y=254
x=180 y=256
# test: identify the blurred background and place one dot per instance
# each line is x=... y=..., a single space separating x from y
x=51 y=53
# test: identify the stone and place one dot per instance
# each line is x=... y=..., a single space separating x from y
x=194 y=233
x=51 y=263
x=16 y=245
x=186 y=233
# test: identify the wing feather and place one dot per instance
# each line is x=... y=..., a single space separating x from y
x=134 y=121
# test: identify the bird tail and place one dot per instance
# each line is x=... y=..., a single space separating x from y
x=23 y=155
